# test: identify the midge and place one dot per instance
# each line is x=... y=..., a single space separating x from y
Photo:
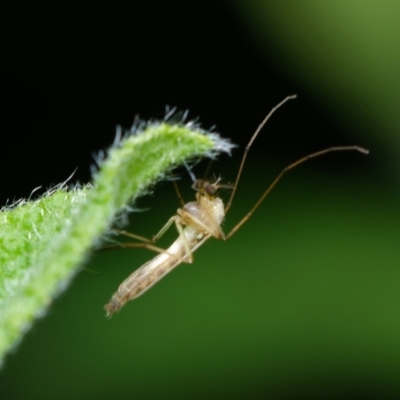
x=196 y=222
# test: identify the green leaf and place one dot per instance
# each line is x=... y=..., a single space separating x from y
x=44 y=242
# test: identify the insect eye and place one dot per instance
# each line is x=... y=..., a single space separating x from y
x=211 y=190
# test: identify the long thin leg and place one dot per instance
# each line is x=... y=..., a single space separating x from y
x=132 y=235
x=228 y=205
x=164 y=229
x=148 y=243
x=147 y=246
x=144 y=239
x=288 y=168
x=178 y=193
x=188 y=252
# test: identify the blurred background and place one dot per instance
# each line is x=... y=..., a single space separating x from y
x=303 y=301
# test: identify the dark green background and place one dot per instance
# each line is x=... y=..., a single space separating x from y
x=304 y=300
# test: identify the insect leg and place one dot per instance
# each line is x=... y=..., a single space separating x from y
x=178 y=193
x=148 y=243
x=246 y=151
x=288 y=168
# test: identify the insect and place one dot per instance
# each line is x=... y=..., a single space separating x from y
x=196 y=222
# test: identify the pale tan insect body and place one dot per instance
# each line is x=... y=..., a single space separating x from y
x=201 y=220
